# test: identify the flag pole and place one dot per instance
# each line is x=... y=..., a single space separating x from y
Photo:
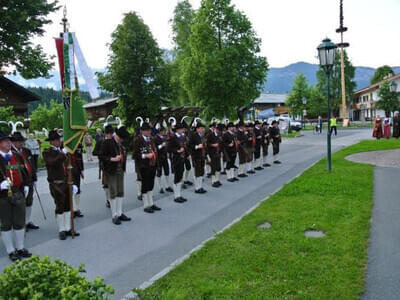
x=71 y=203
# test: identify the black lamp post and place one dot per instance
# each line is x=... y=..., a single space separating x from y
x=393 y=87
x=326 y=55
x=304 y=100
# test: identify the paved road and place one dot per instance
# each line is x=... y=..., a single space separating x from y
x=130 y=254
x=383 y=272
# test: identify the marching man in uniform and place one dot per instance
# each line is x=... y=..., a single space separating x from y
x=241 y=142
x=176 y=146
x=13 y=191
x=160 y=140
x=257 y=147
x=265 y=143
x=113 y=156
x=198 y=149
x=18 y=146
x=276 y=140
x=229 y=148
x=249 y=146
x=145 y=155
x=214 y=154
x=56 y=164
x=77 y=174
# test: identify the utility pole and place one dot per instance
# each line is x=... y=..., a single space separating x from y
x=343 y=45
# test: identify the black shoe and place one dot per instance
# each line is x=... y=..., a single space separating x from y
x=14 y=256
x=78 y=214
x=235 y=167
x=259 y=168
x=123 y=217
x=235 y=179
x=169 y=189
x=208 y=175
x=62 y=235
x=251 y=172
x=116 y=221
x=69 y=233
x=277 y=162
x=216 y=185
x=242 y=175
x=162 y=191
x=184 y=186
x=183 y=199
x=108 y=204
x=231 y=180
x=24 y=253
x=155 y=207
x=179 y=200
x=219 y=183
x=30 y=225
x=140 y=198
x=266 y=165
x=200 y=191
x=149 y=210
x=223 y=173
x=188 y=182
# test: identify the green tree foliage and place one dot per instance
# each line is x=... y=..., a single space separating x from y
x=388 y=100
x=317 y=103
x=47 y=117
x=224 y=70
x=381 y=73
x=20 y=21
x=7 y=114
x=181 y=28
x=335 y=82
x=42 y=278
x=299 y=91
x=137 y=73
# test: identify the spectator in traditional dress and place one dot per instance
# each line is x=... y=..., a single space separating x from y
x=396 y=125
x=387 y=123
x=377 y=132
x=88 y=145
x=34 y=146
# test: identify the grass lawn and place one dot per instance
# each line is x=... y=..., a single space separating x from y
x=293 y=134
x=245 y=262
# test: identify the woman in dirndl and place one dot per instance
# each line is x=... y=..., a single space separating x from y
x=377 y=133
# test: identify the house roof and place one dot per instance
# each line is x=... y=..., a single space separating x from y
x=100 y=102
x=375 y=85
x=269 y=98
x=9 y=85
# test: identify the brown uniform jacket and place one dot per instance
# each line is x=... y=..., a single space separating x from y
x=55 y=161
x=110 y=148
x=141 y=147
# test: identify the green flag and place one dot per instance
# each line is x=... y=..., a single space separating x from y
x=74 y=125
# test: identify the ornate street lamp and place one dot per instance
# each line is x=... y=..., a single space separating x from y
x=393 y=86
x=304 y=100
x=326 y=55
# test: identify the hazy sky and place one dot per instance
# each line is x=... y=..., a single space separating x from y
x=290 y=29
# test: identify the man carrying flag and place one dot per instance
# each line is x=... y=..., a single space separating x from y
x=74 y=122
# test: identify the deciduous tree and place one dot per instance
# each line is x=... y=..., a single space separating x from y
x=136 y=71
x=20 y=21
x=224 y=70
